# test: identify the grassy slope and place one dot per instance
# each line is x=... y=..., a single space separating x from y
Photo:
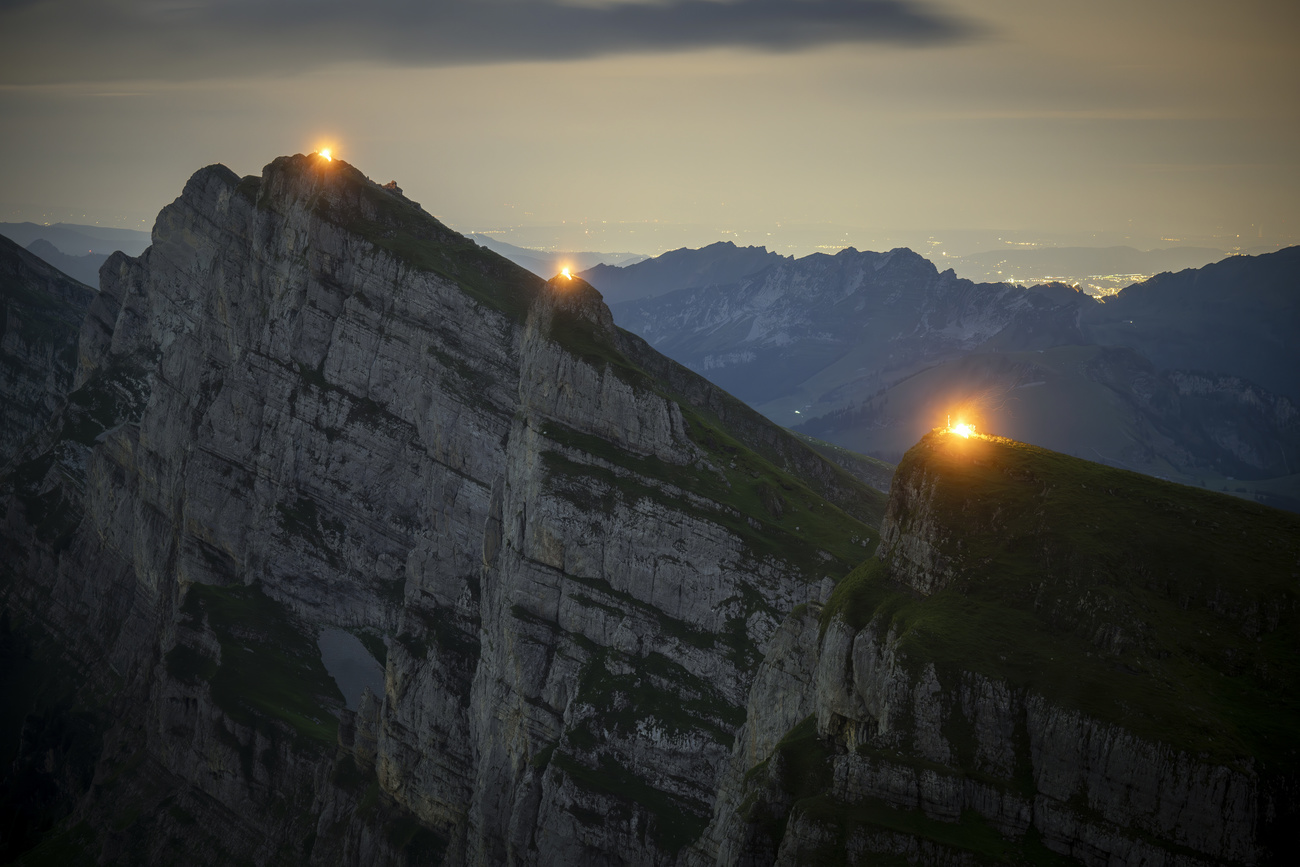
x=1169 y=610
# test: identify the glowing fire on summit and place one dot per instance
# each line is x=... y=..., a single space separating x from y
x=961 y=428
x=325 y=152
x=564 y=272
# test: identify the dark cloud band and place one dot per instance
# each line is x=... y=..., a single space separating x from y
x=49 y=40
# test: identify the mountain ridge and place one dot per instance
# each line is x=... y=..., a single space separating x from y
x=308 y=406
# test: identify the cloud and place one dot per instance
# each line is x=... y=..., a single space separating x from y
x=77 y=40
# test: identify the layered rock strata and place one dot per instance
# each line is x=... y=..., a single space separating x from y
x=1050 y=661
x=322 y=408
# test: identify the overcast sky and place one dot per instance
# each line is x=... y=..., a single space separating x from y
x=1159 y=118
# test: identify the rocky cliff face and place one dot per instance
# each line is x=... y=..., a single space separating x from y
x=1049 y=661
x=308 y=405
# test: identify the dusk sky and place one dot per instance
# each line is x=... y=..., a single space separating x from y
x=795 y=123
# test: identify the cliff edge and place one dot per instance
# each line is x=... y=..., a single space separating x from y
x=1047 y=660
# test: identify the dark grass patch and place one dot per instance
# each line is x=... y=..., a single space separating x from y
x=657 y=689
x=807 y=531
x=270 y=672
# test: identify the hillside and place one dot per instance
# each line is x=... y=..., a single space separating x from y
x=1047 y=658
x=1238 y=317
x=310 y=412
x=39 y=323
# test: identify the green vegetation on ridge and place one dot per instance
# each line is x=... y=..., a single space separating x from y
x=1170 y=611
x=392 y=222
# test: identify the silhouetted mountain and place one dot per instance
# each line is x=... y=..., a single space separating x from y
x=716 y=264
x=804 y=336
x=77 y=240
x=84 y=268
x=39 y=323
x=1239 y=317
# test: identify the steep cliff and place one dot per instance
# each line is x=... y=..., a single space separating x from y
x=1048 y=661
x=309 y=409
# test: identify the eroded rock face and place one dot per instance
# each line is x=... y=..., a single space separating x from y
x=345 y=415
x=934 y=758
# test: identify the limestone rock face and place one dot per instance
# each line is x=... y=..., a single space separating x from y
x=322 y=408
x=976 y=693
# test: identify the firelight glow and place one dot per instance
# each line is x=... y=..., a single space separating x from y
x=565 y=272
x=325 y=152
x=962 y=429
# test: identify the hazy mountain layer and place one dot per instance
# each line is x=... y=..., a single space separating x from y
x=1239 y=317
x=77 y=240
x=785 y=338
x=84 y=268
x=722 y=263
x=42 y=314
x=871 y=350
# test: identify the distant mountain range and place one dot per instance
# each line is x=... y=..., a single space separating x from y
x=1192 y=376
x=77 y=240
x=76 y=250
x=716 y=264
